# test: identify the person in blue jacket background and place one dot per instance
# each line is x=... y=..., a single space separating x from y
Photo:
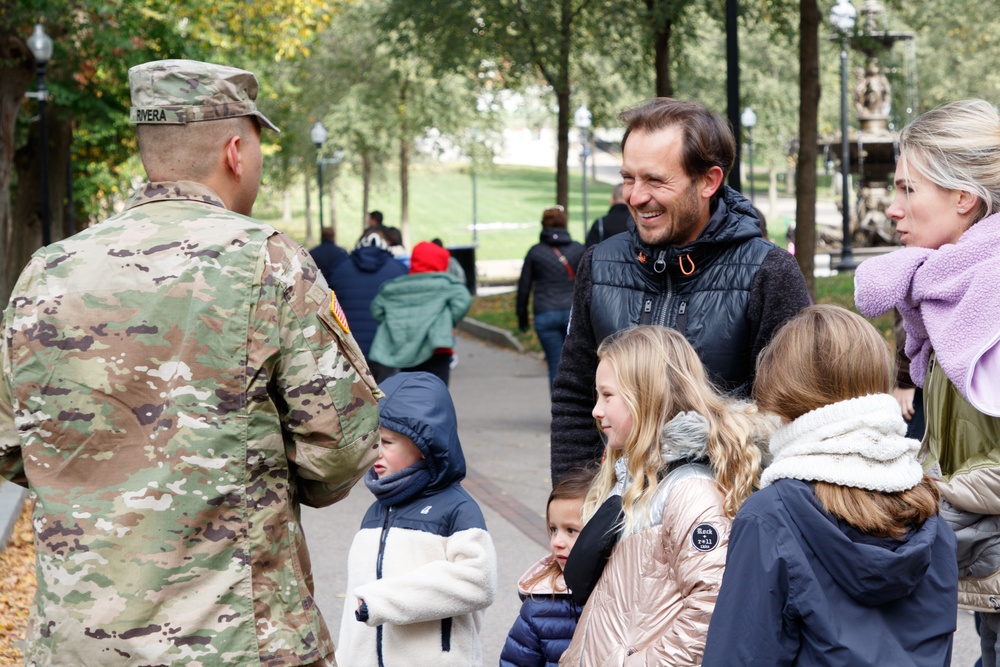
x=841 y=558
x=356 y=281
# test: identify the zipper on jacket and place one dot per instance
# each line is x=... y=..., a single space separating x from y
x=446 y=635
x=664 y=309
x=378 y=575
x=646 y=316
x=660 y=265
x=680 y=323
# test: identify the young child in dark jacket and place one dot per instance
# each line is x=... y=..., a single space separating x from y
x=422 y=569
x=548 y=615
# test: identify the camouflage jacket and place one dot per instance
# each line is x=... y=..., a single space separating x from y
x=174 y=385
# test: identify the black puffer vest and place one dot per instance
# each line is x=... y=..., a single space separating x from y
x=701 y=289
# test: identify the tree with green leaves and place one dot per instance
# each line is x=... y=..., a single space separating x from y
x=524 y=40
x=87 y=115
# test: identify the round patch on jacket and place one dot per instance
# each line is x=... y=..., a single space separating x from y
x=338 y=312
x=705 y=537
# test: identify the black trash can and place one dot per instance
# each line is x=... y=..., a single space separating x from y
x=466 y=256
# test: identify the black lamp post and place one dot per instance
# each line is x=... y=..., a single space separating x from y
x=582 y=119
x=842 y=17
x=41 y=48
x=749 y=120
x=318 y=134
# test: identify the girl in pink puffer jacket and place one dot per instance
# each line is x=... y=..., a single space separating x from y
x=680 y=460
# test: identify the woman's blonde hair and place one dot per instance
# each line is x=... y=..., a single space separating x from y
x=957 y=147
x=659 y=375
x=827 y=354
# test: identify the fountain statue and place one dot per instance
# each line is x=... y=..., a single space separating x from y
x=874 y=146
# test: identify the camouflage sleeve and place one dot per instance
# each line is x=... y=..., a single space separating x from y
x=330 y=398
x=11 y=463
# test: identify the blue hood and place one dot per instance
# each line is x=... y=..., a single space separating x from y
x=871 y=570
x=419 y=406
x=370 y=258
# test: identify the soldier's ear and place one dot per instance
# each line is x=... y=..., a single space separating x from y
x=233 y=157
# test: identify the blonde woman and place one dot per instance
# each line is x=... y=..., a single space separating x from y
x=680 y=460
x=944 y=284
x=841 y=559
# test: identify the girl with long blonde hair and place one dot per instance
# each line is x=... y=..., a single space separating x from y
x=680 y=460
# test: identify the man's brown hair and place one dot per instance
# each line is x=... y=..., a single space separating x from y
x=708 y=140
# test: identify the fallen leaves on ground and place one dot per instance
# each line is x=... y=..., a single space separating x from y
x=17 y=587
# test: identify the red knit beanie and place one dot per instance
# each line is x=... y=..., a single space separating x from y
x=428 y=257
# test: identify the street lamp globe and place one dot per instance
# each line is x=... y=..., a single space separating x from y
x=582 y=117
x=40 y=45
x=842 y=15
x=318 y=134
x=749 y=118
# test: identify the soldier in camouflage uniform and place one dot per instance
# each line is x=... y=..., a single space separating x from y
x=176 y=380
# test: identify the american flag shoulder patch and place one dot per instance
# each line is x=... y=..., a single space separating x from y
x=338 y=312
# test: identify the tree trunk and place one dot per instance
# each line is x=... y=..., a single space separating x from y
x=333 y=201
x=26 y=235
x=562 y=88
x=16 y=75
x=286 y=206
x=562 y=154
x=404 y=190
x=661 y=59
x=404 y=167
x=772 y=190
x=306 y=180
x=805 y=175
x=366 y=182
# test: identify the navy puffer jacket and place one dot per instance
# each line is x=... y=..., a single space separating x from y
x=355 y=281
x=545 y=625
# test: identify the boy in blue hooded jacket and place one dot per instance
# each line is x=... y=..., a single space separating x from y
x=422 y=569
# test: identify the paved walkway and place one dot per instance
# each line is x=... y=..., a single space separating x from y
x=503 y=410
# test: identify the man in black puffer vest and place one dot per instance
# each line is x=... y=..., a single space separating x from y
x=695 y=261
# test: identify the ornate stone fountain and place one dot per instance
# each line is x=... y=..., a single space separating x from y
x=873 y=146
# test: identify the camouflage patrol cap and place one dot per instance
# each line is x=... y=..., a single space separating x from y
x=177 y=92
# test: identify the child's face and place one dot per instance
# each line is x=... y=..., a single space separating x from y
x=397 y=453
x=610 y=411
x=564 y=526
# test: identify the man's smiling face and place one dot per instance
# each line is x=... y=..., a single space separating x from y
x=668 y=206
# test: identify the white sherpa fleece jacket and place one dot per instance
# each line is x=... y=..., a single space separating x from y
x=426 y=571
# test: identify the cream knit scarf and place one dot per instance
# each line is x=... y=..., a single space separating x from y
x=859 y=443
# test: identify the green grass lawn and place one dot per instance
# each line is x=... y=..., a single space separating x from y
x=509 y=205
x=499 y=309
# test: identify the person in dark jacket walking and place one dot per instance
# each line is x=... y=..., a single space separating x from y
x=356 y=281
x=327 y=254
x=694 y=262
x=842 y=559
x=549 y=615
x=549 y=268
x=615 y=221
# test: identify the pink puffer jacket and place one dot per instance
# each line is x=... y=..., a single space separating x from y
x=655 y=598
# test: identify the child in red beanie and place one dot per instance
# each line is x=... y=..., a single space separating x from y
x=416 y=314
